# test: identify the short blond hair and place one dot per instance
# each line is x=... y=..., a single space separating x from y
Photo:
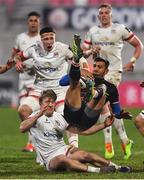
x=105 y=5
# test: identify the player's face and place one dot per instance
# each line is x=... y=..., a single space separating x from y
x=50 y=104
x=48 y=40
x=105 y=16
x=33 y=24
x=100 y=69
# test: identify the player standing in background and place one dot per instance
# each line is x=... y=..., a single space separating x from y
x=107 y=39
x=139 y=120
x=26 y=79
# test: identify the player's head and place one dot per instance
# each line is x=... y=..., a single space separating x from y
x=100 y=67
x=105 y=14
x=33 y=20
x=48 y=37
x=47 y=99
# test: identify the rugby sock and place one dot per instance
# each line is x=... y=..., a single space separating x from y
x=107 y=131
x=93 y=169
x=74 y=73
x=113 y=164
x=119 y=126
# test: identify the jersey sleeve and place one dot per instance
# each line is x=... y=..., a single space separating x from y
x=28 y=53
x=16 y=44
x=61 y=124
x=113 y=94
x=68 y=53
x=126 y=33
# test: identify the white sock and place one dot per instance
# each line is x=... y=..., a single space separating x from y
x=107 y=131
x=119 y=125
x=113 y=164
x=93 y=169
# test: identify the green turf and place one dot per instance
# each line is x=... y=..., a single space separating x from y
x=15 y=164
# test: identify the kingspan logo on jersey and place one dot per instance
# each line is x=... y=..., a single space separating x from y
x=105 y=43
x=52 y=135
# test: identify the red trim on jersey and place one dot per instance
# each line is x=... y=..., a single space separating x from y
x=132 y=35
x=37 y=97
x=22 y=55
x=88 y=42
x=59 y=102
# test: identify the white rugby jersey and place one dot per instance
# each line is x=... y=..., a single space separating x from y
x=111 y=41
x=22 y=42
x=48 y=134
x=49 y=66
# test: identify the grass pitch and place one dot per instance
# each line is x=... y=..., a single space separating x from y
x=15 y=164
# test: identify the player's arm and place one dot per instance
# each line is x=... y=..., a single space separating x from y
x=4 y=68
x=30 y=121
x=138 y=47
x=115 y=104
x=98 y=127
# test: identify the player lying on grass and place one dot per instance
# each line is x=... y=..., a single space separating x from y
x=47 y=128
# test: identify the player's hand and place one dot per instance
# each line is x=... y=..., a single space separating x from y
x=142 y=84
x=85 y=73
x=43 y=109
x=129 y=67
x=20 y=66
x=109 y=121
x=125 y=114
x=96 y=50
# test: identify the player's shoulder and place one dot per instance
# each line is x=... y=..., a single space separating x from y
x=118 y=26
x=110 y=85
x=94 y=28
x=22 y=35
x=60 y=45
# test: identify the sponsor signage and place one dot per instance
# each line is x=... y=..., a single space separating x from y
x=81 y=18
x=131 y=94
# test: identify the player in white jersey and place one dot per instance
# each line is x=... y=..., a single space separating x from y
x=50 y=63
x=139 y=120
x=107 y=39
x=47 y=128
x=26 y=79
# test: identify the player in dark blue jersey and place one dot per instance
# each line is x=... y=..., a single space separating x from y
x=84 y=115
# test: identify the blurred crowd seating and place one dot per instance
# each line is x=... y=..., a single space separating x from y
x=95 y=2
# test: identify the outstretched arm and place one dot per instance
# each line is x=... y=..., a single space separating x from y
x=4 y=68
x=95 y=128
x=137 y=44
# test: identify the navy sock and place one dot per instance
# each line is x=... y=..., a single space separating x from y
x=74 y=73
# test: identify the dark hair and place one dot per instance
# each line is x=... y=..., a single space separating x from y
x=46 y=30
x=99 y=59
x=33 y=13
x=48 y=93
x=105 y=5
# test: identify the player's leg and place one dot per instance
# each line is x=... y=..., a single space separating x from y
x=127 y=144
x=139 y=122
x=27 y=106
x=97 y=161
x=109 y=150
x=72 y=138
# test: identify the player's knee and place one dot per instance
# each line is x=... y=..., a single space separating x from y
x=84 y=156
x=139 y=121
x=24 y=111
